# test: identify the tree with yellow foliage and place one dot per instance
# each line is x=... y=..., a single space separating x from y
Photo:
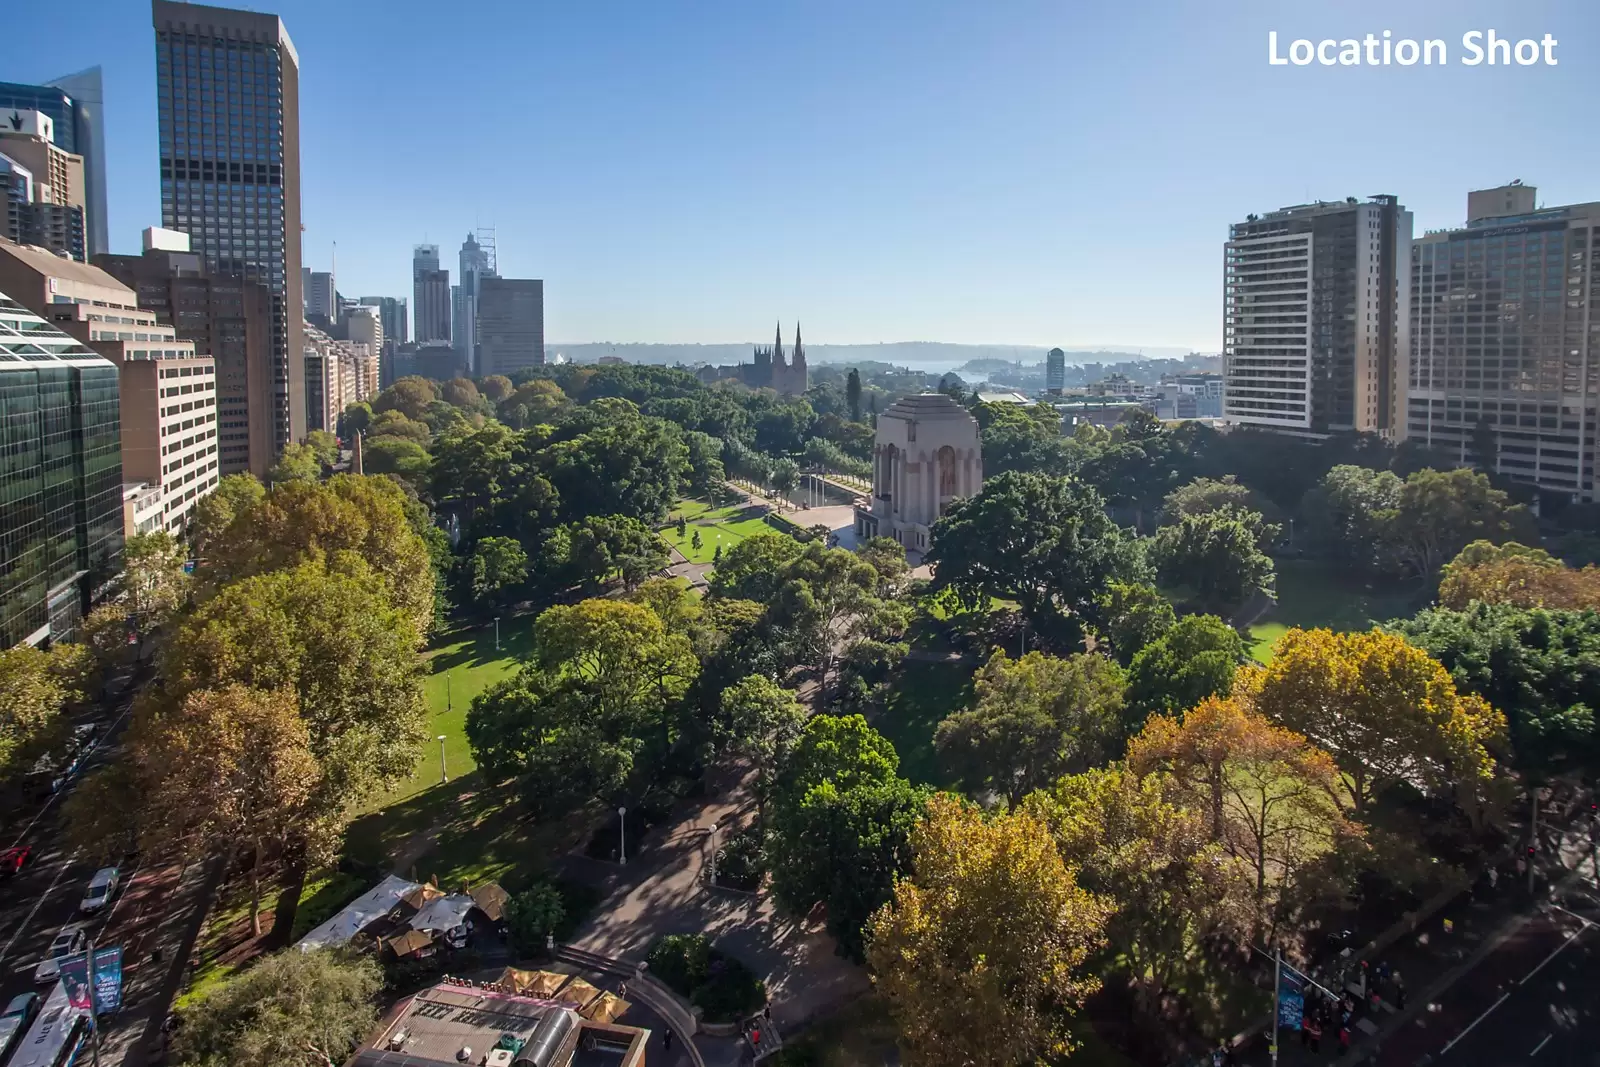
x=1269 y=795
x=1517 y=575
x=980 y=954
x=1388 y=712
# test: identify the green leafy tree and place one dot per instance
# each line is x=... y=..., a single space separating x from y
x=1036 y=718
x=154 y=584
x=1196 y=658
x=1540 y=667
x=347 y=515
x=396 y=424
x=324 y=445
x=330 y=635
x=706 y=472
x=618 y=463
x=1173 y=888
x=764 y=723
x=1136 y=616
x=461 y=393
x=499 y=566
x=591 y=552
x=695 y=542
x=1215 y=557
x=35 y=687
x=297 y=463
x=534 y=915
x=495 y=387
x=785 y=474
x=1044 y=542
x=852 y=393
x=982 y=953
x=297 y=1009
x=234 y=495
x=355 y=419
x=1438 y=513
x=410 y=396
x=753 y=568
x=224 y=772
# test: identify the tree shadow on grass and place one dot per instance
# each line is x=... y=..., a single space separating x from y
x=921 y=696
x=473 y=647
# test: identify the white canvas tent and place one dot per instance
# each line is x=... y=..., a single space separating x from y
x=359 y=914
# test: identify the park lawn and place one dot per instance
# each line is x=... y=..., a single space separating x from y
x=717 y=525
x=1310 y=595
x=921 y=696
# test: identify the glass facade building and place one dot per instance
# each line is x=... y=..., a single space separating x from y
x=228 y=112
x=75 y=104
x=60 y=478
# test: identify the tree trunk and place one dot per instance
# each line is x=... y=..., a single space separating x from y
x=255 y=887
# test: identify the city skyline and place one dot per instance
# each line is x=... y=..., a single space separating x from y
x=954 y=175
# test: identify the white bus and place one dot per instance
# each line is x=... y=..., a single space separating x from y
x=57 y=1035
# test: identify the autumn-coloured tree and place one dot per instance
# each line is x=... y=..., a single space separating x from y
x=980 y=954
x=301 y=521
x=153 y=584
x=1036 y=718
x=1516 y=575
x=1268 y=795
x=1172 y=886
x=35 y=687
x=1387 y=710
x=227 y=771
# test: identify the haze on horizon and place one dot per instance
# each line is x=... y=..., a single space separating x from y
x=1016 y=174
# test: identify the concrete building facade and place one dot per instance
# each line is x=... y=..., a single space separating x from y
x=510 y=325
x=926 y=454
x=1505 y=358
x=44 y=185
x=1055 y=371
x=167 y=391
x=76 y=106
x=228 y=113
x=322 y=299
x=1316 y=318
x=226 y=316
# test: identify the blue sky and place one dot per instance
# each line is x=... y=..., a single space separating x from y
x=988 y=171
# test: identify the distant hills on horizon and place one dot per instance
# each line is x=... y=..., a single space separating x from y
x=907 y=353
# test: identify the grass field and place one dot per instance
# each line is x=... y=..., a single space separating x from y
x=717 y=525
x=921 y=697
x=1310 y=595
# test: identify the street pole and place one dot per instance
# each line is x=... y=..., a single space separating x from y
x=622 y=836
x=94 y=1021
x=1533 y=839
x=444 y=775
x=497 y=633
x=714 y=827
x=1277 y=989
x=449 y=703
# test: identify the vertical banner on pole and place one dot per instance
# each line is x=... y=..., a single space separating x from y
x=1291 y=998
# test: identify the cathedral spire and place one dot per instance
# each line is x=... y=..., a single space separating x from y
x=799 y=349
x=777 y=347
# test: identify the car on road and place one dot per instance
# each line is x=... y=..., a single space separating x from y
x=69 y=942
x=12 y=860
x=14 y=1021
x=102 y=887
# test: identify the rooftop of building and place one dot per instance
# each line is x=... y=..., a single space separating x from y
x=52 y=265
x=925 y=406
x=28 y=338
x=455 y=1023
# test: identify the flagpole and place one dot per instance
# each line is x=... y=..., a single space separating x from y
x=1277 y=989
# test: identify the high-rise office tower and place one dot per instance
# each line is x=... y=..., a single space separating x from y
x=322 y=303
x=228 y=107
x=76 y=105
x=510 y=325
x=430 y=295
x=61 y=483
x=1505 y=354
x=392 y=314
x=477 y=263
x=223 y=315
x=1055 y=371
x=1316 y=318
x=46 y=200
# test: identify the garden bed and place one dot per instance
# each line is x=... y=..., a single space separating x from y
x=725 y=990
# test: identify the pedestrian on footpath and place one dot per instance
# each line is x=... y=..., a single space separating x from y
x=622 y=990
x=1313 y=1029
x=1344 y=1039
x=666 y=1039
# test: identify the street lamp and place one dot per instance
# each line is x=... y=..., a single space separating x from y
x=622 y=836
x=716 y=824
x=444 y=776
x=497 y=633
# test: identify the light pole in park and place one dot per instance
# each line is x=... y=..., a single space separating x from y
x=716 y=824
x=444 y=775
x=497 y=633
x=622 y=836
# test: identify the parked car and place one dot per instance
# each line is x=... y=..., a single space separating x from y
x=15 y=1020
x=102 y=887
x=13 y=860
x=69 y=942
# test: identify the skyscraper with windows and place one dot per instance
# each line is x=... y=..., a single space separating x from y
x=1055 y=371
x=61 y=482
x=1505 y=359
x=477 y=263
x=228 y=106
x=76 y=105
x=430 y=296
x=1316 y=318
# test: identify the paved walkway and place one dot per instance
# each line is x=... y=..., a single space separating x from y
x=664 y=891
